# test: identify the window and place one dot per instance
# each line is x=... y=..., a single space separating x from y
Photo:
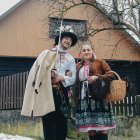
x=79 y=27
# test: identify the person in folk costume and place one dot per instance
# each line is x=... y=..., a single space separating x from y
x=55 y=123
x=94 y=115
x=46 y=88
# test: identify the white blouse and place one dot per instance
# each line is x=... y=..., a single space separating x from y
x=66 y=62
x=84 y=73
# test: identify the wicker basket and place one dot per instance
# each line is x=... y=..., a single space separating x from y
x=117 y=89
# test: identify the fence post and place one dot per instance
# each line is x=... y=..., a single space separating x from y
x=138 y=104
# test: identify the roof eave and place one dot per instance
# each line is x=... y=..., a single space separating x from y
x=11 y=9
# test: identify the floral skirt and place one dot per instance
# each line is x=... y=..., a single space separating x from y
x=93 y=113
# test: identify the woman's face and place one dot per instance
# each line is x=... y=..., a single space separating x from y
x=86 y=52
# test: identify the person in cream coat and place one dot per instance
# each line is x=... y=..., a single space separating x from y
x=48 y=98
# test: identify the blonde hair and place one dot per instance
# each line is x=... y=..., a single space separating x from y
x=88 y=42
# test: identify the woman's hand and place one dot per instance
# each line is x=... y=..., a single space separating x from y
x=54 y=74
x=92 y=79
x=58 y=79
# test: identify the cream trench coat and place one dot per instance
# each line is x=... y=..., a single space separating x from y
x=38 y=97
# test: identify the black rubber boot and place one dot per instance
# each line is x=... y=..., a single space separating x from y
x=102 y=136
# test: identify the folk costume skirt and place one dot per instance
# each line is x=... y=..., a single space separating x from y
x=93 y=113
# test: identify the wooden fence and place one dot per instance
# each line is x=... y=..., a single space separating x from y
x=12 y=91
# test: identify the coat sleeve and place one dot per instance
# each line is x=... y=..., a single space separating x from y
x=32 y=74
x=46 y=60
x=100 y=87
x=105 y=68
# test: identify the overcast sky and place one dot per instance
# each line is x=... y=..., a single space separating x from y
x=6 y=4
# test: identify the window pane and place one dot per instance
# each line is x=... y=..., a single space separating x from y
x=79 y=27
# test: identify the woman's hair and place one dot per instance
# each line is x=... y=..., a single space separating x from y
x=87 y=43
x=92 y=47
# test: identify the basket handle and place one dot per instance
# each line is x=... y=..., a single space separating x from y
x=115 y=74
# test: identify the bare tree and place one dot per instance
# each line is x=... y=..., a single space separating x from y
x=123 y=13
